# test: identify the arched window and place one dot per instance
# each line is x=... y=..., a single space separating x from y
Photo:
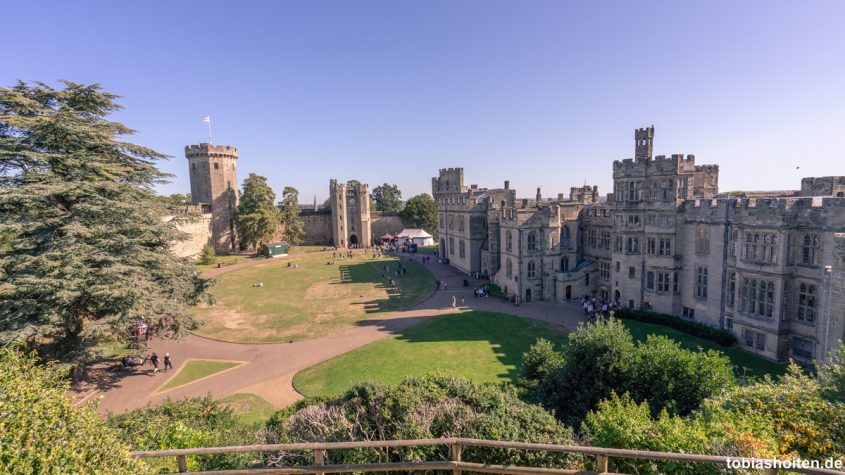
x=564 y=264
x=532 y=241
x=508 y=241
x=532 y=270
x=509 y=269
x=632 y=191
x=807 y=303
x=810 y=250
x=564 y=239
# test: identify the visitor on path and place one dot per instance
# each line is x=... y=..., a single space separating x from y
x=154 y=362
x=454 y=302
x=167 y=362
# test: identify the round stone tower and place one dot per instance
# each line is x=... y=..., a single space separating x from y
x=214 y=185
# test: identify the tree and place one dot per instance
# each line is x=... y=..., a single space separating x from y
x=256 y=218
x=327 y=204
x=832 y=375
x=176 y=200
x=42 y=432
x=289 y=208
x=421 y=212
x=207 y=255
x=426 y=408
x=89 y=247
x=387 y=198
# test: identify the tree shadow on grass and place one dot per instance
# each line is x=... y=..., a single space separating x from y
x=410 y=288
x=509 y=336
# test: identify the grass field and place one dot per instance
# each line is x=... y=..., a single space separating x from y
x=312 y=300
x=747 y=364
x=197 y=369
x=226 y=260
x=480 y=346
x=249 y=408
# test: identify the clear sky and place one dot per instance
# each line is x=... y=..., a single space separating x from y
x=541 y=93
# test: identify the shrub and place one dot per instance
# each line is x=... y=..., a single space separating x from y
x=41 y=431
x=601 y=358
x=422 y=408
x=621 y=422
x=832 y=375
x=207 y=255
x=187 y=423
x=716 y=335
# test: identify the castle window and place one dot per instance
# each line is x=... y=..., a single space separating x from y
x=618 y=266
x=462 y=251
x=676 y=282
x=665 y=247
x=216 y=165
x=618 y=246
x=564 y=243
x=751 y=242
x=442 y=222
x=770 y=244
x=766 y=299
x=701 y=282
x=604 y=270
x=587 y=278
x=733 y=244
x=651 y=246
x=509 y=268
x=633 y=245
x=532 y=241
x=591 y=238
x=810 y=250
x=508 y=241
x=532 y=270
x=451 y=245
x=702 y=240
x=749 y=295
x=754 y=339
x=632 y=191
x=732 y=290
x=193 y=166
x=564 y=264
x=461 y=225
x=649 y=280
x=802 y=348
x=632 y=272
x=807 y=303
x=663 y=282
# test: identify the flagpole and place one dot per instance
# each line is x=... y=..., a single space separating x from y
x=209 y=131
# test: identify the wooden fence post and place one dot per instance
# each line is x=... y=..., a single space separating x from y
x=319 y=457
x=456 y=457
x=182 y=462
x=601 y=463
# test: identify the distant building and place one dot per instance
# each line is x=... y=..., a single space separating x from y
x=214 y=185
x=767 y=266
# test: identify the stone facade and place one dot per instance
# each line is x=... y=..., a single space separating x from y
x=351 y=225
x=768 y=266
x=214 y=182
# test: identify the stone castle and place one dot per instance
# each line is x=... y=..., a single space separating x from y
x=767 y=266
x=214 y=197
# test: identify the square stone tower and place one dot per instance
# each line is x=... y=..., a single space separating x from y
x=351 y=224
x=214 y=183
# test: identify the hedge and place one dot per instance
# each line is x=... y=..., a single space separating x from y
x=716 y=335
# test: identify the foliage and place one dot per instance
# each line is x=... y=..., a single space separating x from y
x=41 y=431
x=289 y=208
x=832 y=375
x=207 y=255
x=257 y=219
x=187 y=423
x=387 y=198
x=327 y=204
x=716 y=335
x=601 y=358
x=422 y=408
x=176 y=200
x=793 y=409
x=421 y=212
x=537 y=362
x=89 y=251
x=621 y=422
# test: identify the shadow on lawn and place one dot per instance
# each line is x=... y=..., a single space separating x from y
x=405 y=293
x=509 y=336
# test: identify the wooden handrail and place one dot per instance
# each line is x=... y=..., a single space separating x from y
x=455 y=444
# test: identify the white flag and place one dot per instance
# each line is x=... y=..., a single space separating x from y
x=207 y=119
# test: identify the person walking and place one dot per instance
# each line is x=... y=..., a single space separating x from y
x=167 y=362
x=454 y=302
x=154 y=362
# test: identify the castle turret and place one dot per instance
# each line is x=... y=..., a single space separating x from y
x=351 y=224
x=644 y=139
x=214 y=182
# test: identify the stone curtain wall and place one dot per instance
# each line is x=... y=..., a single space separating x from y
x=199 y=234
x=385 y=223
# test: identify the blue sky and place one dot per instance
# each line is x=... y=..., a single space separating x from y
x=541 y=93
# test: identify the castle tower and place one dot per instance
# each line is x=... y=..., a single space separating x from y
x=214 y=182
x=644 y=139
x=351 y=224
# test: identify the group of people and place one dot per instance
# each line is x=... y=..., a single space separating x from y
x=483 y=291
x=131 y=361
x=594 y=307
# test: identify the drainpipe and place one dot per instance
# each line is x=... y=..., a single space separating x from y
x=726 y=241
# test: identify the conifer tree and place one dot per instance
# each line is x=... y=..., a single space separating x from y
x=257 y=219
x=289 y=208
x=87 y=250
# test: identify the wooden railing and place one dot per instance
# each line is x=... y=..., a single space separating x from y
x=455 y=464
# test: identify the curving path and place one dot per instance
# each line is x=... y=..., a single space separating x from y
x=269 y=368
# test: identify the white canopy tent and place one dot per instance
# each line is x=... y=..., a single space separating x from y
x=415 y=236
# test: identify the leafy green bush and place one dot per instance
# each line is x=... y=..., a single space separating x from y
x=187 y=423
x=422 y=408
x=621 y=422
x=601 y=358
x=716 y=335
x=41 y=431
x=207 y=255
x=832 y=375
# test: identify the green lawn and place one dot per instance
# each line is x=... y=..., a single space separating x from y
x=226 y=260
x=747 y=364
x=249 y=408
x=311 y=300
x=197 y=369
x=480 y=346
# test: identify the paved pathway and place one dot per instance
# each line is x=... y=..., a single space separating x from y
x=269 y=368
